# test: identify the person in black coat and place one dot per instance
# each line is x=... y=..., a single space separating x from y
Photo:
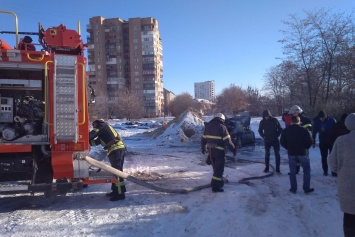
x=337 y=130
x=305 y=122
x=297 y=140
x=270 y=130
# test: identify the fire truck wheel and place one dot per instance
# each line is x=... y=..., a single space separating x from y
x=62 y=192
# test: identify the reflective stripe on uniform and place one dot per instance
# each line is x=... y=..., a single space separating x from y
x=219 y=148
x=307 y=125
x=226 y=137
x=119 y=185
x=116 y=146
x=114 y=131
x=216 y=178
x=212 y=137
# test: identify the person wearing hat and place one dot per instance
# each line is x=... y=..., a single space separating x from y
x=270 y=130
x=321 y=125
x=105 y=135
x=305 y=122
x=342 y=162
x=216 y=138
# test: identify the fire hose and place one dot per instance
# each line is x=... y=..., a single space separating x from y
x=135 y=180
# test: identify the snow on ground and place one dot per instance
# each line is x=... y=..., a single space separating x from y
x=260 y=207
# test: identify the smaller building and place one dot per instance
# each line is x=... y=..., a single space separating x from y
x=168 y=97
x=205 y=90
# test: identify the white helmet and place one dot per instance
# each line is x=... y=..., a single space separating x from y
x=295 y=109
x=221 y=116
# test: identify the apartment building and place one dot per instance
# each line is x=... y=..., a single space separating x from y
x=205 y=90
x=126 y=56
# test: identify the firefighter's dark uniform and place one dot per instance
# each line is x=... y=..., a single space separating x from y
x=216 y=138
x=103 y=134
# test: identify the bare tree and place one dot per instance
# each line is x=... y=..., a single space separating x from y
x=302 y=47
x=254 y=103
x=231 y=99
x=180 y=103
x=315 y=44
x=276 y=83
x=128 y=106
x=335 y=33
x=99 y=108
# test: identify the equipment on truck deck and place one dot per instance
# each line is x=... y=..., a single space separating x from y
x=44 y=124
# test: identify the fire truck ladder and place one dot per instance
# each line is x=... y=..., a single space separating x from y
x=66 y=99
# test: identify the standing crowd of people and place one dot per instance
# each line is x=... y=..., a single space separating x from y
x=336 y=144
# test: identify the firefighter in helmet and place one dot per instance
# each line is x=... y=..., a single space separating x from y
x=216 y=138
x=105 y=135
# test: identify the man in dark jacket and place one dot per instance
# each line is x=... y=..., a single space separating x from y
x=337 y=130
x=322 y=124
x=295 y=110
x=105 y=135
x=216 y=138
x=270 y=130
x=297 y=140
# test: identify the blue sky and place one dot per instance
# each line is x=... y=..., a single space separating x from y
x=228 y=41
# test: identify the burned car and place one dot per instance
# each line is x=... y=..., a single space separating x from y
x=239 y=129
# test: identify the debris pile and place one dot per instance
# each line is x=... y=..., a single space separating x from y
x=188 y=127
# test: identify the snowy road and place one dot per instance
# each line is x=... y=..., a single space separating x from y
x=262 y=207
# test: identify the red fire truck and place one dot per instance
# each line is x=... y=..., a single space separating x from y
x=44 y=123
